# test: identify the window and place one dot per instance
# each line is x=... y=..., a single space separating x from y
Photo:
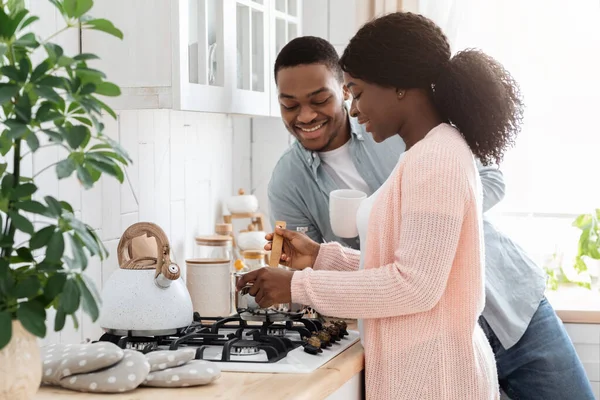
x=552 y=48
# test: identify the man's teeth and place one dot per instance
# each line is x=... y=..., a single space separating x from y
x=311 y=129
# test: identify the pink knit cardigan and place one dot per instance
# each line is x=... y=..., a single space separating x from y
x=422 y=289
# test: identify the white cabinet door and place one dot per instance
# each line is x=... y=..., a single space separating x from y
x=286 y=17
x=201 y=55
x=141 y=62
x=251 y=89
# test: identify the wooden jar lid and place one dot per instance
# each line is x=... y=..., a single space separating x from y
x=223 y=229
x=213 y=240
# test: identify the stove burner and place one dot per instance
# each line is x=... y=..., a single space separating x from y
x=235 y=335
x=244 y=348
x=278 y=331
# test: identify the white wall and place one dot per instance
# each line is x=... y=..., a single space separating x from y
x=182 y=170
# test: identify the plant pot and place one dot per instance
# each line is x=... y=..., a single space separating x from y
x=20 y=365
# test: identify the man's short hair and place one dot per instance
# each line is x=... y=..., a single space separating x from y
x=306 y=50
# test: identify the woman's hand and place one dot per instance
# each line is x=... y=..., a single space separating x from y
x=270 y=285
x=299 y=251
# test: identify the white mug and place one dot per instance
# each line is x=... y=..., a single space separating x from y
x=343 y=205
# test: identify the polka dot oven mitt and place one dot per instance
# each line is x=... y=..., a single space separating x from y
x=164 y=359
x=193 y=373
x=124 y=376
x=61 y=360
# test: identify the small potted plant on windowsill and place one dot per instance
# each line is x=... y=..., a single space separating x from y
x=588 y=248
x=44 y=247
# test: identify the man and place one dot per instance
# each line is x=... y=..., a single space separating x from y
x=534 y=355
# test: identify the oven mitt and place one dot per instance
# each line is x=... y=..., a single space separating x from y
x=194 y=373
x=61 y=360
x=122 y=377
x=164 y=359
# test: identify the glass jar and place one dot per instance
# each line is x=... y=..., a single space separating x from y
x=254 y=259
x=213 y=246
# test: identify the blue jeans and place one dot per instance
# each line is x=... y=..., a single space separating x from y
x=543 y=364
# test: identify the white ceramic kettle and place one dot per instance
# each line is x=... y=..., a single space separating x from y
x=145 y=296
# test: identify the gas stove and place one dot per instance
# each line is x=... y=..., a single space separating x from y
x=235 y=344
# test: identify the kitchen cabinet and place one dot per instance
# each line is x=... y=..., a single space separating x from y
x=195 y=55
x=286 y=17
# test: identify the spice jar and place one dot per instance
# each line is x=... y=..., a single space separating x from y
x=213 y=246
x=254 y=259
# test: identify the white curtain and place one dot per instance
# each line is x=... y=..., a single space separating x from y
x=552 y=48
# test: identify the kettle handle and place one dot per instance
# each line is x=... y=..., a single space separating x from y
x=163 y=250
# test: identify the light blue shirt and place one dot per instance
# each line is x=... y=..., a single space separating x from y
x=299 y=194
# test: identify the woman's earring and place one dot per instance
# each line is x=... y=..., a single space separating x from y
x=400 y=94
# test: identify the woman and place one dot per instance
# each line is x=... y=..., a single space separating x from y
x=421 y=290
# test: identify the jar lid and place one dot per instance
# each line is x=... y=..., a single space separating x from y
x=223 y=228
x=206 y=261
x=254 y=254
x=213 y=240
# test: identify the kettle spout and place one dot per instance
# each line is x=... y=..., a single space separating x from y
x=163 y=280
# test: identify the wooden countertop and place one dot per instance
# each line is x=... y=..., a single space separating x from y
x=247 y=386
x=576 y=305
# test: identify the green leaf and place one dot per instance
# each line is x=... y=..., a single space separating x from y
x=90 y=303
x=85 y=57
x=7 y=184
x=52 y=81
x=41 y=237
x=108 y=89
x=54 y=51
x=56 y=247
x=28 y=22
x=109 y=168
x=88 y=88
x=5 y=328
x=24 y=68
x=32 y=142
x=40 y=70
x=33 y=317
x=5 y=142
x=20 y=222
x=11 y=72
x=84 y=177
x=54 y=136
x=70 y=297
x=70 y=6
x=25 y=190
x=27 y=40
x=67 y=206
x=17 y=129
x=6 y=279
x=65 y=168
x=59 y=320
x=15 y=6
x=103 y=25
x=76 y=135
x=53 y=206
x=89 y=75
x=32 y=206
x=25 y=254
x=28 y=288
x=84 y=121
x=3 y=168
x=8 y=91
x=79 y=257
x=55 y=285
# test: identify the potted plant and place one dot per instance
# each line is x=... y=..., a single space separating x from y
x=44 y=247
x=588 y=249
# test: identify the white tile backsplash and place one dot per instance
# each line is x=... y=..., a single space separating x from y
x=182 y=171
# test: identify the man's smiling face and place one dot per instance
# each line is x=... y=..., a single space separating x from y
x=312 y=105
